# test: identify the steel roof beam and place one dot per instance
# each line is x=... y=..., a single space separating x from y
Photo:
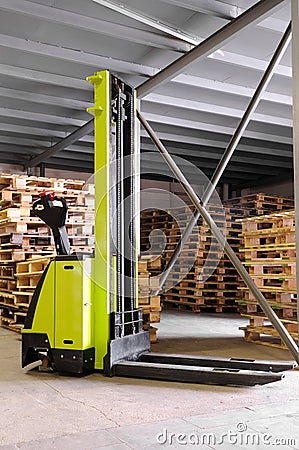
x=93 y=61
x=44 y=99
x=175 y=122
x=35 y=131
x=25 y=141
x=32 y=145
x=77 y=155
x=70 y=55
x=202 y=154
x=211 y=7
x=150 y=21
x=202 y=163
x=155 y=168
x=70 y=164
x=273 y=24
x=219 y=144
x=185 y=123
x=87 y=157
x=39 y=117
x=226 y=11
x=221 y=37
x=91 y=24
x=248 y=62
x=42 y=77
x=41 y=143
x=187 y=80
x=151 y=98
x=232 y=89
x=214 y=109
x=14 y=157
x=64 y=143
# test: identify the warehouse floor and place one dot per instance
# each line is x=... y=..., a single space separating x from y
x=43 y=411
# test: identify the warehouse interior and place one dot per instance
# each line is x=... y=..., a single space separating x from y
x=199 y=110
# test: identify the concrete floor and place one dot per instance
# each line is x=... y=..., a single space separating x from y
x=45 y=411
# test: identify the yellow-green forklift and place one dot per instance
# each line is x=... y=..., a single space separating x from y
x=84 y=314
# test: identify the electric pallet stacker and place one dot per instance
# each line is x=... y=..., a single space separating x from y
x=84 y=313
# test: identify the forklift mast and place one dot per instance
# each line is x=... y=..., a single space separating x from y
x=116 y=180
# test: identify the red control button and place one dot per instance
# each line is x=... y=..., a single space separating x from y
x=49 y=194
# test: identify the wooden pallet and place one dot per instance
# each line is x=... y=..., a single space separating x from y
x=274 y=297
x=273 y=221
x=273 y=268
x=259 y=204
x=270 y=258
x=23 y=236
x=265 y=335
x=15 y=198
x=148 y=281
x=7 y=298
x=7 y=284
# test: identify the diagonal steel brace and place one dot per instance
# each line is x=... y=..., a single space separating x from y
x=270 y=314
x=229 y=151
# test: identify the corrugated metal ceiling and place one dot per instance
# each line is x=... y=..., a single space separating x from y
x=48 y=48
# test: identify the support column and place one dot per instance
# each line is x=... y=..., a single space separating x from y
x=225 y=191
x=42 y=170
x=295 y=79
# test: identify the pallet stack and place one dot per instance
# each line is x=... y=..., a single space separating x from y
x=219 y=292
x=187 y=286
x=15 y=301
x=260 y=204
x=26 y=243
x=270 y=257
x=211 y=283
x=148 y=281
x=151 y=242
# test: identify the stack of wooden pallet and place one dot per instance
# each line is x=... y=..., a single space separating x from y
x=15 y=301
x=26 y=243
x=148 y=281
x=259 y=204
x=188 y=287
x=270 y=256
x=211 y=282
x=151 y=241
